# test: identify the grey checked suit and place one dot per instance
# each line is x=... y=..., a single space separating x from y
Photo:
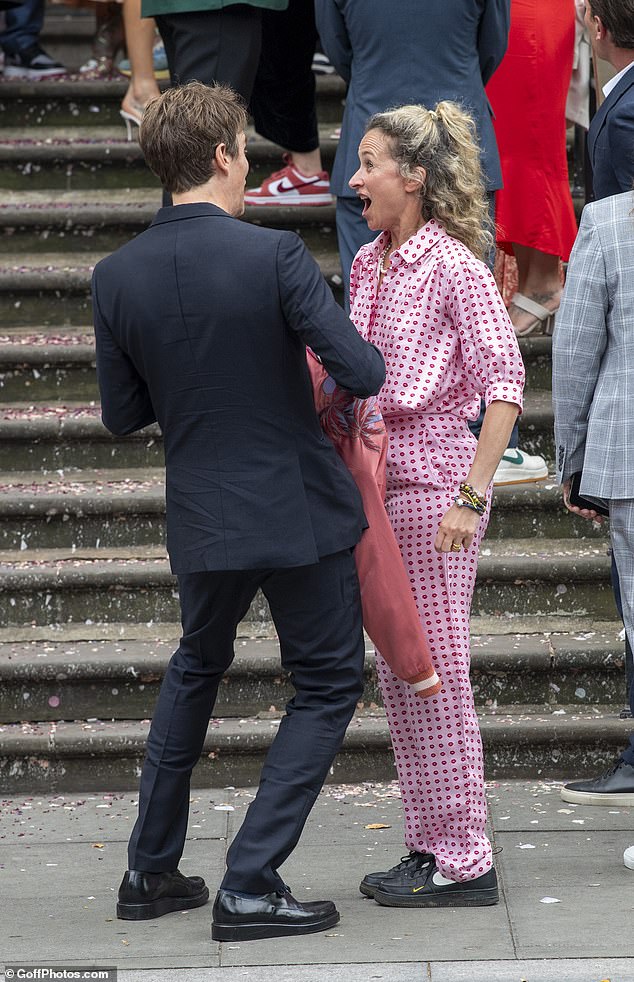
x=593 y=377
x=593 y=353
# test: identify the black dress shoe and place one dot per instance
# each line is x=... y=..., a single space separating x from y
x=272 y=915
x=408 y=864
x=429 y=888
x=146 y=895
x=615 y=787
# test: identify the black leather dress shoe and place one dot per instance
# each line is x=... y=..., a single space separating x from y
x=429 y=888
x=615 y=787
x=146 y=895
x=408 y=864
x=272 y=915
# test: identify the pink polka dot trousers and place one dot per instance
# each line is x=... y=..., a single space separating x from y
x=437 y=743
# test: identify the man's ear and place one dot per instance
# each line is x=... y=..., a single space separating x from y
x=600 y=28
x=221 y=158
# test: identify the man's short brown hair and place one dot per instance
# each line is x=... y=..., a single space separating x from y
x=181 y=129
x=617 y=17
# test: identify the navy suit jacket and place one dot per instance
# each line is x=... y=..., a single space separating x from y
x=611 y=141
x=396 y=52
x=201 y=323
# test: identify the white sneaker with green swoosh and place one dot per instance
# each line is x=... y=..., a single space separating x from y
x=518 y=467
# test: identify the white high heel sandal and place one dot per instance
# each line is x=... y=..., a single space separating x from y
x=129 y=119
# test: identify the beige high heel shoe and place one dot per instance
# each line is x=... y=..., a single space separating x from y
x=130 y=119
x=544 y=319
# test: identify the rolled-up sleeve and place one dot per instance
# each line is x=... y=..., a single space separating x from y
x=490 y=350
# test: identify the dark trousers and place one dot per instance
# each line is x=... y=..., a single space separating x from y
x=628 y=753
x=265 y=55
x=629 y=667
x=214 y=46
x=283 y=102
x=317 y=613
x=23 y=26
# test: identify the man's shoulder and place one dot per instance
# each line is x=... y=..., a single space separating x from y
x=605 y=213
x=620 y=101
x=232 y=234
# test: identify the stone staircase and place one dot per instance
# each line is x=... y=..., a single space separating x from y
x=88 y=606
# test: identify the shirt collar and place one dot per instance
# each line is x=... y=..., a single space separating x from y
x=197 y=209
x=411 y=251
x=613 y=82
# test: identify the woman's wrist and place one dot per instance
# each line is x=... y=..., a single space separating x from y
x=462 y=503
x=472 y=498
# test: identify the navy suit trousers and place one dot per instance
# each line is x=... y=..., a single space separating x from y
x=317 y=614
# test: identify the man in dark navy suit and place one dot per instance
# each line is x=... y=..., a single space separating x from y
x=201 y=324
x=611 y=133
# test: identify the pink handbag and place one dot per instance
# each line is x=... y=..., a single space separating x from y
x=390 y=616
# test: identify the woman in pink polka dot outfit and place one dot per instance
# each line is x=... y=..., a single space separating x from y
x=422 y=293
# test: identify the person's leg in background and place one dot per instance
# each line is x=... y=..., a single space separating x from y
x=285 y=111
x=516 y=466
x=616 y=589
x=214 y=46
x=140 y=34
x=616 y=786
x=24 y=56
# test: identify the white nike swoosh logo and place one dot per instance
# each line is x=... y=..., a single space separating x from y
x=442 y=881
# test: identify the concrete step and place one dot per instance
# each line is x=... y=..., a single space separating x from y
x=92 y=754
x=47 y=681
x=53 y=289
x=71 y=436
x=41 y=221
x=67 y=34
x=77 y=102
x=100 y=157
x=113 y=508
x=134 y=584
x=44 y=365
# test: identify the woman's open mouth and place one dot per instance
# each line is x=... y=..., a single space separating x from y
x=366 y=202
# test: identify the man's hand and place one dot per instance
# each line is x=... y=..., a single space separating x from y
x=589 y=513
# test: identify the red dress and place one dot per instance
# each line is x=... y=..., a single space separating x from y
x=528 y=95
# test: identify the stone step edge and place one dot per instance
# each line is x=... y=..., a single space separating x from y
x=124 y=739
x=143 y=573
x=46 y=502
x=45 y=90
x=139 y=214
x=136 y=662
x=15 y=355
x=109 y=142
x=511 y=628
